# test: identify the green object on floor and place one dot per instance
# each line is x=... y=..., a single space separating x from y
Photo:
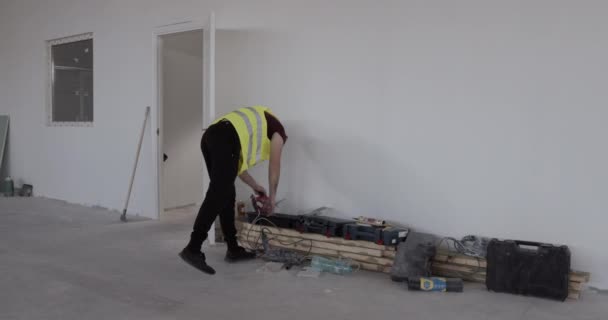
x=9 y=187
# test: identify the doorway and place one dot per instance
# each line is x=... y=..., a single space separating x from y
x=181 y=56
x=188 y=50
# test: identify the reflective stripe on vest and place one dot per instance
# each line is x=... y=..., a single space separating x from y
x=250 y=132
x=258 y=119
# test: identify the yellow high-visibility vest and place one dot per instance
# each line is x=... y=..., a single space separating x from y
x=250 y=124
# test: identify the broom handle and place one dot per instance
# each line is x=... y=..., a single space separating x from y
x=141 y=138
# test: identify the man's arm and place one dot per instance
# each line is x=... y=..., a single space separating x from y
x=250 y=181
x=274 y=167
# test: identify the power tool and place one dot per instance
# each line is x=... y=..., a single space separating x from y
x=261 y=203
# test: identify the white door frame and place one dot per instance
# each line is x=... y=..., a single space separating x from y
x=158 y=75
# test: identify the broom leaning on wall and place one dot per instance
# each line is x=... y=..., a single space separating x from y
x=123 y=217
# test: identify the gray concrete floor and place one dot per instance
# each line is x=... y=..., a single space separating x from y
x=60 y=261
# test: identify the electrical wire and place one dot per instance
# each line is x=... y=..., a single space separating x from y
x=257 y=244
x=460 y=248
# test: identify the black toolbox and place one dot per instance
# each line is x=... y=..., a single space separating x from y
x=392 y=236
x=381 y=235
x=528 y=268
x=279 y=220
x=328 y=226
x=353 y=231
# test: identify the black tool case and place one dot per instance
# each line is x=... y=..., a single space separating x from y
x=280 y=220
x=528 y=268
x=392 y=236
x=328 y=226
x=353 y=231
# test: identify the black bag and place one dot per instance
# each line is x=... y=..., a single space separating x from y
x=413 y=258
x=537 y=269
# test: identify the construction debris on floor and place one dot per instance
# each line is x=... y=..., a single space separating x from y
x=342 y=245
x=9 y=190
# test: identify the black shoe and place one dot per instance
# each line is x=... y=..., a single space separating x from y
x=239 y=254
x=197 y=260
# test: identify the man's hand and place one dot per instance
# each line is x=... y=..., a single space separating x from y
x=259 y=190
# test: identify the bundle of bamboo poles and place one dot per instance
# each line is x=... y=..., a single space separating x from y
x=367 y=255
x=379 y=258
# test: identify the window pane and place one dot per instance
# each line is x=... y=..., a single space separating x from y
x=72 y=81
x=74 y=54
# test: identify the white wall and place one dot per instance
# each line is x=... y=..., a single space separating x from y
x=473 y=116
x=5 y=106
x=183 y=114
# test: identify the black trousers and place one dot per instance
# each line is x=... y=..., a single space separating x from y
x=221 y=149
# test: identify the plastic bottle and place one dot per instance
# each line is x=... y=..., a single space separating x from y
x=330 y=265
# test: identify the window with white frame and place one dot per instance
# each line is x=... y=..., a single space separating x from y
x=70 y=96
